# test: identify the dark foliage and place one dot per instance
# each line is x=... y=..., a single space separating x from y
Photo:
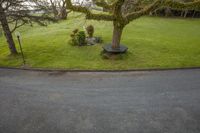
x=78 y=38
x=81 y=38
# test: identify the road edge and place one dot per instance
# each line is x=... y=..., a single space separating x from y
x=109 y=70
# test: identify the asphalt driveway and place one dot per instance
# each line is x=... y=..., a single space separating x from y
x=89 y=102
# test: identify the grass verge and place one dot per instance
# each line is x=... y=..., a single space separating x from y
x=153 y=43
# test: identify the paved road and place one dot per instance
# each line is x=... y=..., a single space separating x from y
x=128 y=102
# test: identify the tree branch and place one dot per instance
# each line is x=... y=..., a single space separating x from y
x=88 y=13
x=17 y=26
x=195 y=5
x=162 y=3
x=99 y=17
x=117 y=10
x=131 y=16
x=103 y=4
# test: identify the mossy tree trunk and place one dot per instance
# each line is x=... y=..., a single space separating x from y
x=117 y=34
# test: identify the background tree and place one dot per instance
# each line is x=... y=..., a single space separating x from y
x=167 y=11
x=121 y=17
x=1 y=31
x=57 y=7
x=63 y=13
x=18 y=13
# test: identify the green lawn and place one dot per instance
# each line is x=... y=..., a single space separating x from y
x=153 y=43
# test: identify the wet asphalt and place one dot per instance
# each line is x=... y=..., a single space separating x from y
x=99 y=102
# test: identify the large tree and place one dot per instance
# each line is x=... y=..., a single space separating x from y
x=17 y=13
x=120 y=16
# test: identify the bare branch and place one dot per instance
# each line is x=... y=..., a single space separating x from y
x=17 y=26
x=77 y=8
x=88 y=13
x=162 y=3
x=131 y=16
x=195 y=5
x=100 y=17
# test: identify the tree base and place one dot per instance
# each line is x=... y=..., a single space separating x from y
x=108 y=49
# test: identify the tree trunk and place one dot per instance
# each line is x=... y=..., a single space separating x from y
x=117 y=33
x=168 y=12
x=193 y=15
x=55 y=13
x=182 y=13
x=186 y=12
x=7 y=32
x=63 y=14
x=54 y=9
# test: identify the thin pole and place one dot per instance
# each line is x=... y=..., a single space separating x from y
x=20 y=46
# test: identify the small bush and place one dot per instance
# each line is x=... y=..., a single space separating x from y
x=78 y=38
x=90 y=30
x=81 y=38
x=73 y=41
x=75 y=31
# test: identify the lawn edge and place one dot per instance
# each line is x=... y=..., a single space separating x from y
x=93 y=70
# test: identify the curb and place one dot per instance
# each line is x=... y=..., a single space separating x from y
x=109 y=70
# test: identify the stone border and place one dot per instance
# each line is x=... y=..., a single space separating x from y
x=81 y=70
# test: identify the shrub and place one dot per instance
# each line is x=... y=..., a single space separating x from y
x=73 y=41
x=90 y=30
x=75 y=31
x=81 y=38
x=77 y=38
